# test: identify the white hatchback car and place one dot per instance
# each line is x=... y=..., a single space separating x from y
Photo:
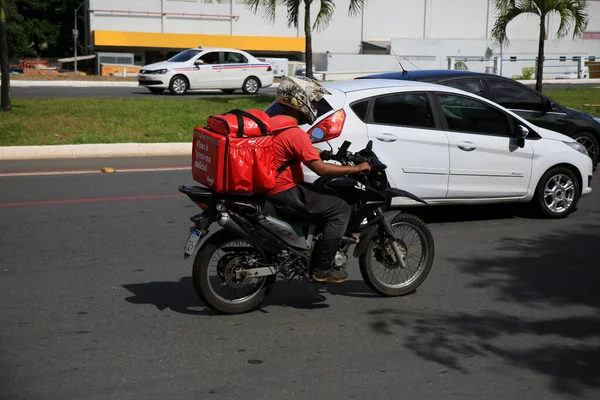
x=207 y=68
x=448 y=146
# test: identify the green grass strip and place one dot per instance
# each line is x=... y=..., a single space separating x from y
x=78 y=121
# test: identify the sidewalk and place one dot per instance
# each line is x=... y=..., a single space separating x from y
x=95 y=151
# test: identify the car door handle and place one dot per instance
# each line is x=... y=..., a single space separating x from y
x=386 y=137
x=467 y=146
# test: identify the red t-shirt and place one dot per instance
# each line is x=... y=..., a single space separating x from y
x=292 y=143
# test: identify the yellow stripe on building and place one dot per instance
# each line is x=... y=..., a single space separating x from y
x=185 y=41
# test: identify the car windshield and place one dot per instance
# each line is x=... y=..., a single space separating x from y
x=184 y=56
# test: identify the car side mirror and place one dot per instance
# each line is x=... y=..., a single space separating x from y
x=548 y=106
x=521 y=133
x=198 y=62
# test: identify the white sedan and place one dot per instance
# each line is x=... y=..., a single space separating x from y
x=207 y=68
x=448 y=146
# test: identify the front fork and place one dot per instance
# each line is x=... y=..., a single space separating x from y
x=387 y=227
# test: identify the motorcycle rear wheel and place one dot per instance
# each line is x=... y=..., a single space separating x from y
x=207 y=286
x=379 y=251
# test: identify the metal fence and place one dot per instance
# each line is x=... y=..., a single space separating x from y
x=561 y=67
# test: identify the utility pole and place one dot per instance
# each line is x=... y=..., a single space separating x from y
x=75 y=36
x=5 y=77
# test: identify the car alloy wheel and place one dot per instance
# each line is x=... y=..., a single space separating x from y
x=251 y=86
x=179 y=86
x=559 y=193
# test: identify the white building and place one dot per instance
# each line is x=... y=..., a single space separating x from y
x=422 y=33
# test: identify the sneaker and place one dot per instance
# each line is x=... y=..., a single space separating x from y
x=330 y=275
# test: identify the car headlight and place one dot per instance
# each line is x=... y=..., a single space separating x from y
x=161 y=71
x=577 y=146
x=597 y=119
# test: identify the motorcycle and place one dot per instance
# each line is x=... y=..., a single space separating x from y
x=236 y=267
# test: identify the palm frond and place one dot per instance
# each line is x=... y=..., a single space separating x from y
x=508 y=10
x=293 y=11
x=502 y=6
x=573 y=15
x=324 y=15
x=356 y=7
x=265 y=7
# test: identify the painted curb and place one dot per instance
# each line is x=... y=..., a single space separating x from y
x=95 y=151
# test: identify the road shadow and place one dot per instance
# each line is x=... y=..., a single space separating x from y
x=471 y=213
x=553 y=274
x=179 y=296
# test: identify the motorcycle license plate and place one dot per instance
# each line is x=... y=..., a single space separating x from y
x=192 y=242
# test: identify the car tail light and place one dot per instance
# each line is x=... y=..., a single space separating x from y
x=269 y=69
x=332 y=126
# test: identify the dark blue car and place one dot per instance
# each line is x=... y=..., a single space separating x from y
x=520 y=99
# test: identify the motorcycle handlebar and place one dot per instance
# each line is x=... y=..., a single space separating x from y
x=345 y=158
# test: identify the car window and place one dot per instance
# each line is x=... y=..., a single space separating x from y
x=210 y=58
x=470 y=85
x=513 y=96
x=322 y=107
x=234 y=58
x=360 y=109
x=469 y=115
x=410 y=109
x=184 y=56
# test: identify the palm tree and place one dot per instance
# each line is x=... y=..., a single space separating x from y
x=572 y=15
x=4 y=92
x=327 y=7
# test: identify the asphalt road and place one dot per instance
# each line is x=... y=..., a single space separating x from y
x=97 y=303
x=138 y=92
x=113 y=92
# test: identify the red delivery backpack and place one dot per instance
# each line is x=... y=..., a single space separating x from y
x=234 y=153
x=242 y=123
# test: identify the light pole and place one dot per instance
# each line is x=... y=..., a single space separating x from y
x=75 y=36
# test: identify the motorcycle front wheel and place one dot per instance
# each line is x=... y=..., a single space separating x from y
x=378 y=264
x=214 y=274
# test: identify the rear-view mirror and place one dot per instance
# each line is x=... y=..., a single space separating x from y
x=198 y=62
x=317 y=133
x=521 y=132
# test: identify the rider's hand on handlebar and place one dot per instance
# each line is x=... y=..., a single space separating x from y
x=363 y=167
x=325 y=155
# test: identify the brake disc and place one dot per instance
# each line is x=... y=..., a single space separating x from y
x=384 y=253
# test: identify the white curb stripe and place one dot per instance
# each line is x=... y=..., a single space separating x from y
x=98 y=171
x=96 y=150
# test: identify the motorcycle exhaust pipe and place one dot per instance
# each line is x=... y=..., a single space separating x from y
x=271 y=244
x=226 y=222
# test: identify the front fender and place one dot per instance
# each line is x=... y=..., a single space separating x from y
x=367 y=235
x=391 y=192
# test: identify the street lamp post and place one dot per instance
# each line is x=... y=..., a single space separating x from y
x=75 y=36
